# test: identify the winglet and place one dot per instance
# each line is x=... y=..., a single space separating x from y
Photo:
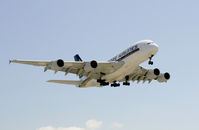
x=10 y=61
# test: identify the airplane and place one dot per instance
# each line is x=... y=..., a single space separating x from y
x=124 y=67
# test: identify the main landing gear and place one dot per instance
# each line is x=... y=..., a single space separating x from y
x=102 y=82
x=126 y=83
x=150 y=62
x=114 y=84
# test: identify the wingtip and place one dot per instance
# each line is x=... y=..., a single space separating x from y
x=11 y=61
x=49 y=81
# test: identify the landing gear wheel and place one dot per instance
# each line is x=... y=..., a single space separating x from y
x=150 y=62
x=126 y=83
x=102 y=82
x=114 y=84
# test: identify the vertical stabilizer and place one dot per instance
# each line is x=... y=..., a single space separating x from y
x=77 y=58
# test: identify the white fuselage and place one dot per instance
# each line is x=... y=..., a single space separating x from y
x=132 y=58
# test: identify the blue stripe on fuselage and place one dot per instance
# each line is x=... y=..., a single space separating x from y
x=125 y=53
x=128 y=54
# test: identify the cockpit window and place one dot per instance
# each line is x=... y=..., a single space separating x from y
x=149 y=43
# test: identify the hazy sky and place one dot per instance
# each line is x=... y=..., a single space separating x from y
x=97 y=30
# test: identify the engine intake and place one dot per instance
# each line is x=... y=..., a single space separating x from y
x=167 y=75
x=153 y=73
x=60 y=63
x=57 y=64
x=90 y=66
x=163 y=77
x=93 y=64
x=156 y=71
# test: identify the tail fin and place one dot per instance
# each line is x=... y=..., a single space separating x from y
x=77 y=58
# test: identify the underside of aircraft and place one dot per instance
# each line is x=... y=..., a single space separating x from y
x=124 y=67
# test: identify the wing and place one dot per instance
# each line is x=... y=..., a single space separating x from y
x=34 y=63
x=78 y=67
x=142 y=74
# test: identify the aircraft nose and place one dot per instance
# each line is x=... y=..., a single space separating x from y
x=154 y=47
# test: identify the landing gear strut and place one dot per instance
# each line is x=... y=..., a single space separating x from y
x=126 y=82
x=150 y=62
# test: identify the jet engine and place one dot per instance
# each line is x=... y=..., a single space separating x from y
x=153 y=73
x=89 y=66
x=163 y=77
x=57 y=64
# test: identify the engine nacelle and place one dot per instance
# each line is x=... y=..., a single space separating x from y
x=57 y=64
x=163 y=77
x=153 y=73
x=89 y=66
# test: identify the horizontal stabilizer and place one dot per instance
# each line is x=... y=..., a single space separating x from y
x=73 y=82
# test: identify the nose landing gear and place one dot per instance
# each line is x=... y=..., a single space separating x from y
x=150 y=60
